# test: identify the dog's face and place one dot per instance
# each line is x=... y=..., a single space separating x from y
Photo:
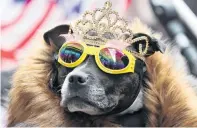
x=86 y=88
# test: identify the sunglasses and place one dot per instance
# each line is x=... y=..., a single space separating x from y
x=108 y=59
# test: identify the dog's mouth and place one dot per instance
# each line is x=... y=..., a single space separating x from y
x=78 y=104
x=80 y=101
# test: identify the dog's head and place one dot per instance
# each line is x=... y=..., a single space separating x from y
x=88 y=89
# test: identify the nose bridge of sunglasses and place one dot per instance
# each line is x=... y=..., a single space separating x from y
x=91 y=50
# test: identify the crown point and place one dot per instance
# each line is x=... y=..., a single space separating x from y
x=108 y=4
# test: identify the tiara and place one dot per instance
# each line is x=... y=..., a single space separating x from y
x=101 y=25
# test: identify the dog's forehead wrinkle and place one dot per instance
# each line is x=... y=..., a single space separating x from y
x=81 y=66
x=87 y=66
x=91 y=66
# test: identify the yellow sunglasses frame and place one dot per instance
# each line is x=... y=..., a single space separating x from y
x=91 y=50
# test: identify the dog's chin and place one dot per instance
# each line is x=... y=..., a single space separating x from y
x=79 y=105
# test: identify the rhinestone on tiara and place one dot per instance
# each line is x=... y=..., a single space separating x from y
x=101 y=25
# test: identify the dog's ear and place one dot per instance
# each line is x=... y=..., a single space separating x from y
x=53 y=37
x=142 y=39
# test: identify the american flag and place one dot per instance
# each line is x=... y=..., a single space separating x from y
x=22 y=21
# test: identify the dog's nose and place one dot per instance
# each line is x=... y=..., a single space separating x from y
x=79 y=79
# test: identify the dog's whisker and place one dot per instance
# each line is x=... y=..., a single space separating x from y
x=58 y=90
x=59 y=85
x=63 y=76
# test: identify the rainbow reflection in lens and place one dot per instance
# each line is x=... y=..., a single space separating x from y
x=113 y=58
x=71 y=52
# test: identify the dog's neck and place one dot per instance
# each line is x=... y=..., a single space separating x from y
x=137 y=104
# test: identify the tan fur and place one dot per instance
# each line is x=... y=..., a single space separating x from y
x=169 y=100
x=31 y=100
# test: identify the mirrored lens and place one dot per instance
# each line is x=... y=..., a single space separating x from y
x=71 y=52
x=113 y=58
